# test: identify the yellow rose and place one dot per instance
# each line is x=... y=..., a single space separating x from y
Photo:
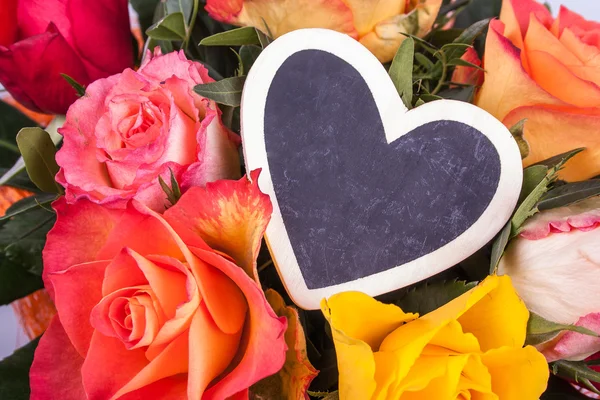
x=379 y=25
x=470 y=348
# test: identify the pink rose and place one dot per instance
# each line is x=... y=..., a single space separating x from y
x=39 y=40
x=555 y=267
x=133 y=127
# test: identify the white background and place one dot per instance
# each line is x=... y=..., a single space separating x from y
x=11 y=336
x=590 y=9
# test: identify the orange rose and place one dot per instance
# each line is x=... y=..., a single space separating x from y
x=377 y=25
x=149 y=308
x=548 y=72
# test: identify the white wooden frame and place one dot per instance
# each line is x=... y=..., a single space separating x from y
x=397 y=121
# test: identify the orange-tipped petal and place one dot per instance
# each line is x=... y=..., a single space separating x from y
x=507 y=85
x=367 y=13
x=516 y=15
x=297 y=372
x=262 y=352
x=206 y=338
x=280 y=17
x=569 y=88
x=228 y=216
x=570 y=19
x=555 y=130
x=56 y=367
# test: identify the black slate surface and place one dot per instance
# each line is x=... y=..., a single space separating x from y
x=354 y=205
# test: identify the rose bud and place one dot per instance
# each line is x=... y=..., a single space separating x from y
x=555 y=267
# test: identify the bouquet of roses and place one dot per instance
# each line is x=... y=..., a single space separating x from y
x=131 y=240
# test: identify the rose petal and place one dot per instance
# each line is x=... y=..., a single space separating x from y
x=8 y=22
x=588 y=55
x=174 y=64
x=171 y=388
x=553 y=275
x=284 y=16
x=297 y=372
x=505 y=76
x=469 y=75
x=517 y=373
x=55 y=369
x=569 y=128
x=75 y=301
x=30 y=70
x=575 y=346
x=264 y=348
x=545 y=68
x=516 y=15
x=232 y=219
x=570 y=19
x=207 y=338
x=106 y=24
x=368 y=13
x=36 y=14
x=81 y=172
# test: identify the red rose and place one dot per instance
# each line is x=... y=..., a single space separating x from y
x=39 y=40
x=157 y=306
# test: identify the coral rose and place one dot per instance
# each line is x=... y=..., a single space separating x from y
x=132 y=127
x=471 y=347
x=377 y=25
x=546 y=71
x=39 y=40
x=158 y=306
x=555 y=267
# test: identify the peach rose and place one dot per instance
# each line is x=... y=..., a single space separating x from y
x=132 y=127
x=377 y=25
x=158 y=306
x=546 y=71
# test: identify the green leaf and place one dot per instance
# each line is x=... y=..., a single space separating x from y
x=430 y=296
x=570 y=193
x=499 y=246
x=17 y=178
x=540 y=330
x=171 y=27
x=226 y=91
x=39 y=153
x=174 y=192
x=561 y=158
x=576 y=371
x=467 y=37
x=235 y=37
x=325 y=395
x=401 y=71
x=79 y=88
x=459 y=62
x=477 y=10
x=424 y=61
x=11 y=121
x=249 y=54
x=527 y=207
x=517 y=131
x=465 y=94
x=530 y=197
x=14 y=373
x=43 y=200
x=22 y=239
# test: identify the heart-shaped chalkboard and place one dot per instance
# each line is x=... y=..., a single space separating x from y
x=368 y=196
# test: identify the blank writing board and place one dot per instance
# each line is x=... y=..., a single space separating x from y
x=367 y=195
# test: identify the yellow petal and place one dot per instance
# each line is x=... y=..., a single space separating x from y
x=499 y=318
x=362 y=317
x=356 y=363
x=517 y=374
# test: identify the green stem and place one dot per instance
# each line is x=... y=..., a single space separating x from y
x=444 y=75
x=9 y=146
x=191 y=25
